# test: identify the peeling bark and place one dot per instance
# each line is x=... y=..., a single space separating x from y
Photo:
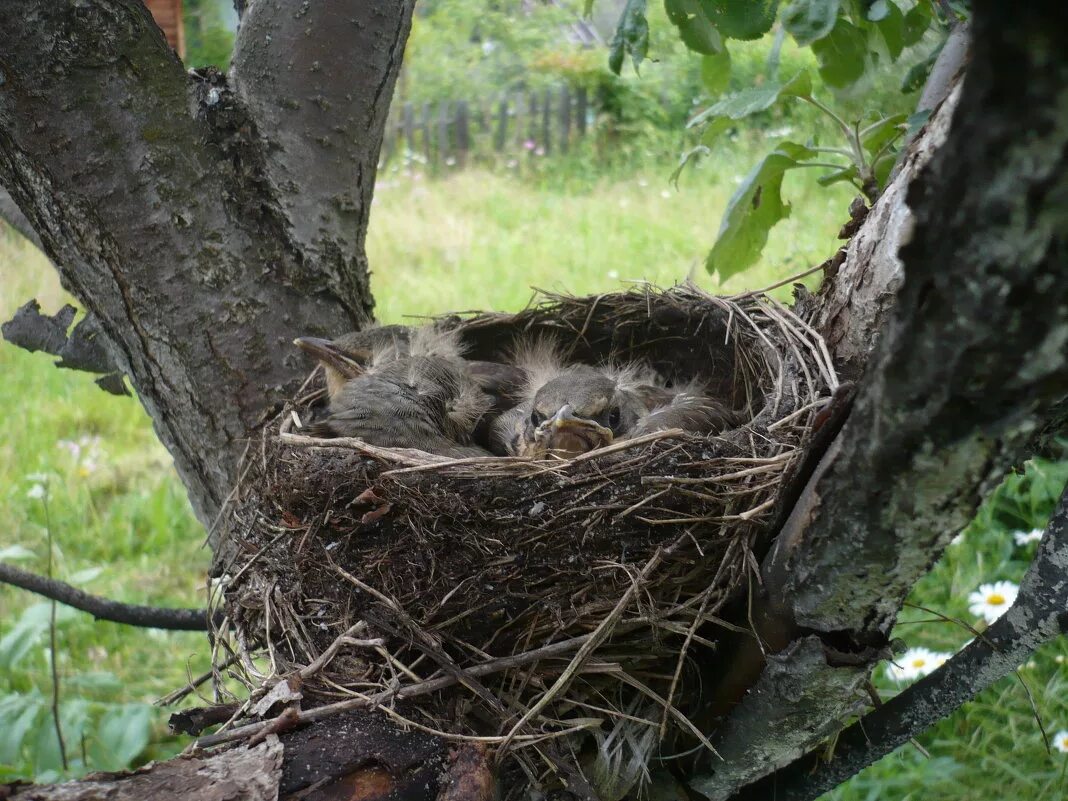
x=250 y=774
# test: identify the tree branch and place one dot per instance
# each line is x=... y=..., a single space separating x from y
x=102 y=608
x=317 y=80
x=1039 y=615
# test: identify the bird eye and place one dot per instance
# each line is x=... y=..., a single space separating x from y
x=536 y=418
x=614 y=417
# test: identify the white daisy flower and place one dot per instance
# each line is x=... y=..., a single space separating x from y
x=991 y=601
x=1060 y=741
x=915 y=663
x=37 y=491
x=1025 y=537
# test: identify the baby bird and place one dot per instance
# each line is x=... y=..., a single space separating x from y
x=571 y=409
x=401 y=388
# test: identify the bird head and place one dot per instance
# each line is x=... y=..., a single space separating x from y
x=352 y=354
x=338 y=364
x=579 y=409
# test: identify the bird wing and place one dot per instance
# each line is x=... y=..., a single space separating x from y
x=690 y=412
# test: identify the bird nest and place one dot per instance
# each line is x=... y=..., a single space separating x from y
x=550 y=608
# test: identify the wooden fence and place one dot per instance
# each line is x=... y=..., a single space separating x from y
x=451 y=132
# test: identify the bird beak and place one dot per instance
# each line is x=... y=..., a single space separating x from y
x=330 y=355
x=569 y=435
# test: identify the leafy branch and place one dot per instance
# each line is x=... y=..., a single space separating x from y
x=849 y=41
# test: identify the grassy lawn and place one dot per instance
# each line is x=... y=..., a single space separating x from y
x=85 y=469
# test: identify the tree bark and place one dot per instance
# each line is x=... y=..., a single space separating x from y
x=176 y=222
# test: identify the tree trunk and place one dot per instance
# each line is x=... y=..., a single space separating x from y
x=207 y=223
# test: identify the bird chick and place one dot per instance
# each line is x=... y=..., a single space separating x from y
x=572 y=409
x=401 y=389
x=567 y=410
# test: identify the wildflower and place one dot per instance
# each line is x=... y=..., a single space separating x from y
x=613 y=274
x=539 y=151
x=37 y=491
x=914 y=663
x=512 y=164
x=1059 y=659
x=37 y=477
x=1060 y=741
x=643 y=183
x=529 y=144
x=1025 y=537
x=665 y=194
x=450 y=162
x=991 y=600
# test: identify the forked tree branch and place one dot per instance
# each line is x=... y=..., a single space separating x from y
x=202 y=243
x=152 y=617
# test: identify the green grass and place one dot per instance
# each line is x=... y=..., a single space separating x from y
x=121 y=526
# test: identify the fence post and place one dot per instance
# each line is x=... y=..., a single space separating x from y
x=547 y=121
x=424 y=129
x=580 y=111
x=565 y=118
x=502 y=125
x=409 y=134
x=463 y=142
x=532 y=114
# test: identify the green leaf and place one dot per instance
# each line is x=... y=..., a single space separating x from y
x=13 y=553
x=916 y=77
x=742 y=19
x=695 y=28
x=878 y=134
x=809 y=20
x=743 y=104
x=18 y=715
x=890 y=25
x=716 y=72
x=917 y=21
x=632 y=37
x=842 y=54
x=122 y=735
x=755 y=207
x=690 y=155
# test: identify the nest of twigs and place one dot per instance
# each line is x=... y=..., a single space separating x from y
x=549 y=608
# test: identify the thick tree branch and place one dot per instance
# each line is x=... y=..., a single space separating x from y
x=152 y=617
x=1039 y=614
x=317 y=79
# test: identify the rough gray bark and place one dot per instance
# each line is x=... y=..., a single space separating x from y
x=167 y=213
